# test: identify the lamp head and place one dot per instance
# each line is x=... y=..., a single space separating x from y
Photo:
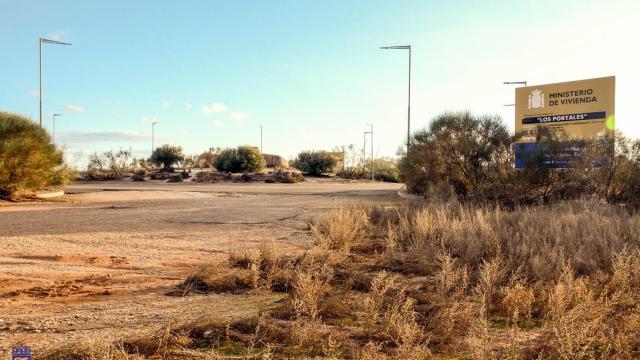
x=49 y=41
x=402 y=47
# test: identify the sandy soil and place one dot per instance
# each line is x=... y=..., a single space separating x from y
x=100 y=263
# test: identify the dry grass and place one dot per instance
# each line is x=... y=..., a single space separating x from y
x=420 y=282
x=338 y=229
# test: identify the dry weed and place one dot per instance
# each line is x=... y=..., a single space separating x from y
x=478 y=341
x=381 y=285
x=576 y=319
x=307 y=333
x=451 y=281
x=338 y=229
x=517 y=302
x=490 y=278
x=91 y=349
x=307 y=289
x=400 y=325
x=372 y=351
x=241 y=258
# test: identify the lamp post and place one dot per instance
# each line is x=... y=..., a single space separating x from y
x=405 y=47
x=53 y=117
x=372 y=164
x=40 y=42
x=514 y=83
x=260 y=139
x=153 y=134
x=364 y=149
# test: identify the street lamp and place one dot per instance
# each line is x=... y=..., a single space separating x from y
x=405 y=47
x=40 y=42
x=153 y=125
x=53 y=117
x=260 y=139
x=514 y=83
x=365 y=134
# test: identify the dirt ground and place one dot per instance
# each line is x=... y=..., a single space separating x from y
x=99 y=263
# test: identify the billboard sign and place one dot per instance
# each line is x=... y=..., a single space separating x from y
x=574 y=111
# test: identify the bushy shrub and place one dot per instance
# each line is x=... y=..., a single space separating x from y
x=241 y=159
x=285 y=176
x=167 y=155
x=384 y=170
x=354 y=172
x=619 y=181
x=315 y=163
x=109 y=165
x=29 y=160
x=457 y=148
x=474 y=156
x=63 y=174
x=205 y=159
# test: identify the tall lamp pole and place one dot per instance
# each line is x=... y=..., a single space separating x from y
x=54 y=125
x=153 y=134
x=364 y=150
x=260 y=139
x=372 y=162
x=405 y=47
x=514 y=83
x=40 y=42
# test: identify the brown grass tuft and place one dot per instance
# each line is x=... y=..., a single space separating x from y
x=338 y=229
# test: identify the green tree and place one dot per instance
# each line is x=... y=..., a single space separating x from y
x=167 y=155
x=241 y=159
x=315 y=163
x=29 y=160
x=457 y=148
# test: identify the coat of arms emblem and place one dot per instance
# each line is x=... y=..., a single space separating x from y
x=536 y=99
x=20 y=352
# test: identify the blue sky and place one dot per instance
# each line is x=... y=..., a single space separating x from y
x=210 y=72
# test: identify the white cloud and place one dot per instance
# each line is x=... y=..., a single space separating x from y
x=218 y=124
x=148 y=119
x=188 y=107
x=56 y=35
x=166 y=104
x=34 y=92
x=214 y=108
x=107 y=136
x=183 y=131
x=74 y=108
x=239 y=116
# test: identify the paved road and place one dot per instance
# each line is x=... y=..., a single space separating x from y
x=125 y=206
x=304 y=188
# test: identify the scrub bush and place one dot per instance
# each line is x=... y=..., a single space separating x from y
x=241 y=159
x=384 y=169
x=457 y=148
x=29 y=161
x=473 y=156
x=109 y=165
x=315 y=163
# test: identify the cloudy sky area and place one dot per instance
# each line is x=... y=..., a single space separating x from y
x=210 y=72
